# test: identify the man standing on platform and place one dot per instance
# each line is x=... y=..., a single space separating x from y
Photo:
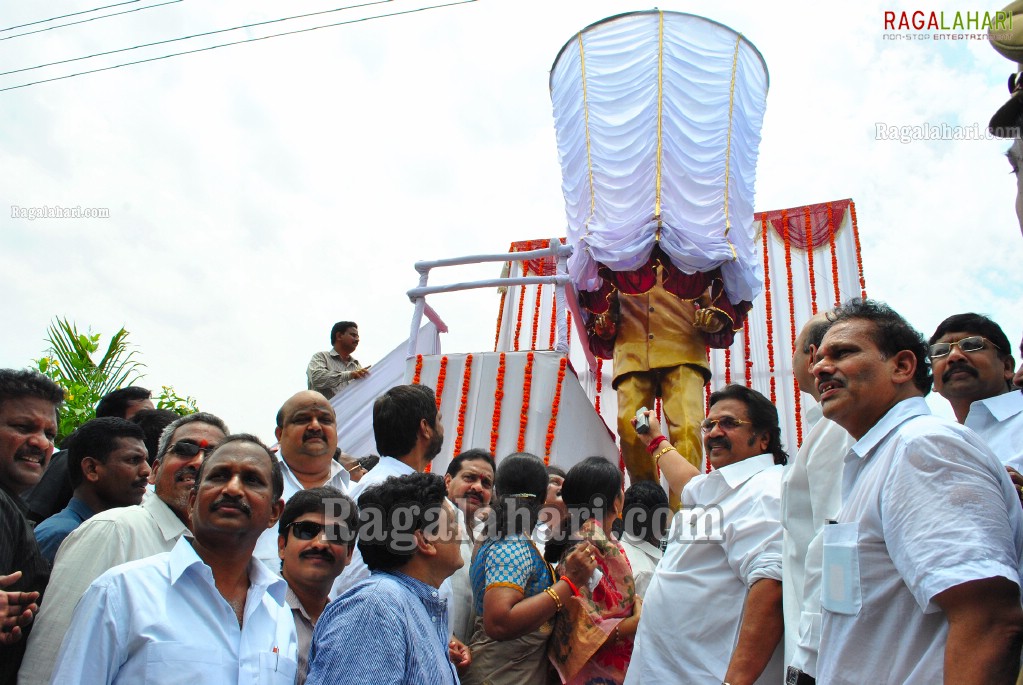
x=332 y=370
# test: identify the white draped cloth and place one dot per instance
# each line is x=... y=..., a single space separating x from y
x=660 y=111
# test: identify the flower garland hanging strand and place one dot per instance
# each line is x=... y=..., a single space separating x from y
x=554 y=318
x=746 y=353
x=527 y=384
x=462 y=403
x=568 y=324
x=767 y=304
x=859 y=256
x=500 y=316
x=600 y=383
x=419 y=370
x=441 y=376
x=495 y=422
x=555 y=405
x=522 y=301
x=536 y=315
x=834 y=253
x=792 y=319
x=728 y=365
x=809 y=260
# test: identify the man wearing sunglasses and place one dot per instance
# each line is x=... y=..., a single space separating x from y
x=316 y=537
x=725 y=581
x=120 y=535
x=972 y=363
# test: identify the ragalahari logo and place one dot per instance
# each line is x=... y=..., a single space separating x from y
x=947 y=21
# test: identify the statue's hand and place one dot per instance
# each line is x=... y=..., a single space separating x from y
x=709 y=320
x=604 y=326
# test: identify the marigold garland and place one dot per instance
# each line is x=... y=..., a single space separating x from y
x=495 y=422
x=728 y=365
x=462 y=403
x=441 y=376
x=568 y=324
x=554 y=317
x=536 y=315
x=809 y=260
x=859 y=256
x=600 y=383
x=555 y=405
x=518 y=314
x=769 y=316
x=834 y=253
x=500 y=316
x=657 y=409
x=792 y=319
x=527 y=384
x=419 y=370
x=746 y=353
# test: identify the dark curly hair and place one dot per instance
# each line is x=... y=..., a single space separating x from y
x=391 y=512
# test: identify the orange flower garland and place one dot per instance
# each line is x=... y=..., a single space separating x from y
x=554 y=317
x=600 y=383
x=809 y=260
x=495 y=423
x=746 y=353
x=767 y=304
x=419 y=369
x=834 y=253
x=568 y=324
x=555 y=405
x=463 y=402
x=441 y=375
x=536 y=315
x=792 y=319
x=657 y=409
x=859 y=256
x=522 y=301
x=527 y=383
x=728 y=365
x=500 y=316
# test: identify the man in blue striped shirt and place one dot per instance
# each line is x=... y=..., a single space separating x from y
x=391 y=629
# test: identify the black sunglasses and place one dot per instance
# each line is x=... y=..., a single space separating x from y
x=190 y=449
x=337 y=533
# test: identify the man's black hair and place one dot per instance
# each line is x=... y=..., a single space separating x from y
x=153 y=422
x=475 y=454
x=397 y=415
x=115 y=403
x=97 y=439
x=391 y=512
x=18 y=383
x=340 y=328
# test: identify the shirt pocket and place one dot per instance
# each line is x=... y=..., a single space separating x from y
x=177 y=663
x=276 y=669
x=840 y=573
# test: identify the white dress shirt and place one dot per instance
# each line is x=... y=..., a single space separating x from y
x=461 y=609
x=999 y=420
x=926 y=506
x=266 y=546
x=643 y=558
x=162 y=620
x=109 y=538
x=693 y=607
x=811 y=495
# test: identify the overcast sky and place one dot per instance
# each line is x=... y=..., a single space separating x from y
x=258 y=193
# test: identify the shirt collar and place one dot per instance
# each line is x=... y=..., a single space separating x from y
x=166 y=520
x=813 y=415
x=394 y=466
x=296 y=604
x=1002 y=407
x=898 y=414
x=80 y=509
x=641 y=544
x=738 y=473
x=427 y=594
x=335 y=468
x=261 y=579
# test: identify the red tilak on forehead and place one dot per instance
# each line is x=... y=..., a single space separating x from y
x=204 y=443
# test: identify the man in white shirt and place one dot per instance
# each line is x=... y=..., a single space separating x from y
x=409 y=435
x=713 y=610
x=811 y=495
x=921 y=569
x=972 y=363
x=307 y=435
x=205 y=612
x=120 y=535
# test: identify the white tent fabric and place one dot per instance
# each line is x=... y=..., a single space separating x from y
x=658 y=118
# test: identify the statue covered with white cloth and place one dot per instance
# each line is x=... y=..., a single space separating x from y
x=658 y=118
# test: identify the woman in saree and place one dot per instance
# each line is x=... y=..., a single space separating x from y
x=593 y=636
x=515 y=591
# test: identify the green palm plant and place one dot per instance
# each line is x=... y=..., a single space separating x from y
x=70 y=364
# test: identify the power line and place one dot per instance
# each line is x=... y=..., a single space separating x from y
x=83 y=21
x=239 y=42
x=65 y=16
x=194 y=35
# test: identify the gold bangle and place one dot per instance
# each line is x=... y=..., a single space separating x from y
x=664 y=450
x=554 y=595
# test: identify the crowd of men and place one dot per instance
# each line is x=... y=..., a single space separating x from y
x=889 y=548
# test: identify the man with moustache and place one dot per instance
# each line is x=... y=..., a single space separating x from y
x=972 y=363
x=314 y=545
x=120 y=535
x=307 y=434
x=921 y=567
x=332 y=370
x=28 y=425
x=205 y=612
x=724 y=578
x=108 y=466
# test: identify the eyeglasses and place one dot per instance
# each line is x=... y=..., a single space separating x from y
x=190 y=449
x=974 y=343
x=727 y=423
x=337 y=533
x=354 y=467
